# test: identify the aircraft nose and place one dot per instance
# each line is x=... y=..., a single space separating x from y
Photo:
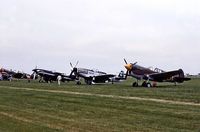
x=128 y=67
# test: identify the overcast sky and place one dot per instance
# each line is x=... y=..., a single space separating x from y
x=100 y=33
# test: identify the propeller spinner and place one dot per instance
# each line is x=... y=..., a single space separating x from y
x=129 y=67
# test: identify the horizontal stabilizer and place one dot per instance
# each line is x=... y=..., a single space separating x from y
x=181 y=79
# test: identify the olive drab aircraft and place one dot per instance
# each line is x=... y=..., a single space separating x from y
x=95 y=76
x=49 y=76
x=156 y=75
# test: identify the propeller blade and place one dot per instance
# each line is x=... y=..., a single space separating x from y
x=76 y=63
x=135 y=63
x=126 y=75
x=71 y=65
x=125 y=61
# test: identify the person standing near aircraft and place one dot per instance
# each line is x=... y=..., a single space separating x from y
x=59 y=79
x=50 y=76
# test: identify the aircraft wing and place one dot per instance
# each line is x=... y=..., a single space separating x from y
x=66 y=78
x=55 y=74
x=103 y=77
x=164 y=76
x=47 y=74
x=106 y=76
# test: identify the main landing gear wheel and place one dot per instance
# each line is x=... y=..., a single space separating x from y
x=148 y=85
x=135 y=84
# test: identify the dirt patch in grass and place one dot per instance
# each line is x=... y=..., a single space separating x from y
x=109 y=96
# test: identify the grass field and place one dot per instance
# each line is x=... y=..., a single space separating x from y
x=47 y=107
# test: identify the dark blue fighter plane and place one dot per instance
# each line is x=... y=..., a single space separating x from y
x=91 y=76
x=49 y=76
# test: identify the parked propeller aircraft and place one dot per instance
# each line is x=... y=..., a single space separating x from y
x=49 y=76
x=9 y=74
x=95 y=76
x=5 y=74
x=156 y=75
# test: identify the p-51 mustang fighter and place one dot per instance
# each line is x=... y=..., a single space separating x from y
x=49 y=76
x=156 y=75
x=94 y=76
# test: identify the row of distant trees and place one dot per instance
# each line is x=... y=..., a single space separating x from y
x=193 y=76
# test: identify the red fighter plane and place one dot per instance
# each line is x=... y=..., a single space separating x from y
x=9 y=74
x=156 y=75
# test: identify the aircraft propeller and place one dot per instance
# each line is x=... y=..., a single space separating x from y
x=125 y=61
x=73 y=69
x=130 y=63
x=135 y=63
x=71 y=65
x=128 y=67
x=127 y=72
x=76 y=63
x=74 y=66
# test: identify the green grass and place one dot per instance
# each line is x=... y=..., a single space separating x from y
x=22 y=110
